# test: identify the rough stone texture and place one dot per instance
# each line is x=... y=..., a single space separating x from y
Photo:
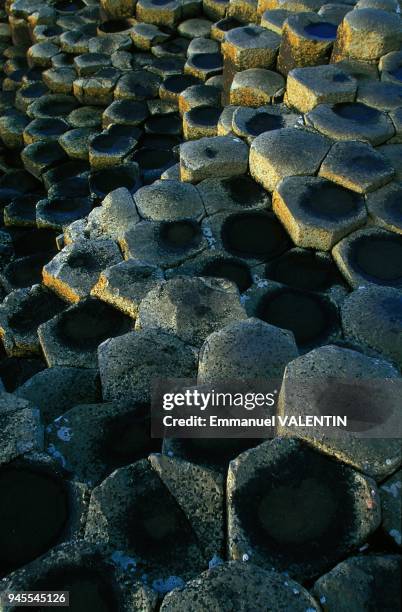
x=74 y=271
x=370 y=256
x=55 y=390
x=367 y=34
x=219 y=156
x=379 y=329
x=324 y=509
x=307 y=87
x=383 y=206
x=315 y=212
x=125 y=284
x=249 y=349
x=326 y=381
x=167 y=546
x=249 y=123
x=118 y=214
x=169 y=201
x=356 y=166
x=21 y=432
x=276 y=154
x=351 y=121
x=250 y=47
x=256 y=87
x=360 y=582
x=128 y=364
x=239 y=584
x=78 y=564
x=391 y=505
x=191 y=308
x=235 y=193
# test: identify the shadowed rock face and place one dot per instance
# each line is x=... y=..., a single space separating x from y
x=24 y=535
x=253 y=235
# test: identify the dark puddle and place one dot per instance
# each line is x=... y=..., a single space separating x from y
x=323 y=30
x=26 y=271
x=303 y=269
x=379 y=257
x=255 y=235
x=231 y=269
x=309 y=316
x=14 y=371
x=263 y=122
x=356 y=111
x=212 y=61
x=299 y=510
x=205 y=115
x=115 y=26
x=178 y=83
x=243 y=190
x=90 y=322
x=104 y=181
x=328 y=201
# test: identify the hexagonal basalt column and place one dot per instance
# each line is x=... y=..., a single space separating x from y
x=209 y=157
x=249 y=349
x=236 y=193
x=21 y=312
x=247 y=47
x=249 y=123
x=191 y=308
x=95 y=577
x=312 y=317
x=74 y=271
x=72 y=337
x=303 y=521
x=276 y=154
x=371 y=256
x=201 y=122
x=379 y=330
x=384 y=206
x=390 y=66
x=243 y=584
x=316 y=212
x=310 y=86
x=169 y=200
x=256 y=87
x=350 y=584
x=159 y=12
x=129 y=363
x=306 y=41
x=335 y=381
x=204 y=65
x=356 y=166
x=351 y=121
x=118 y=9
x=367 y=34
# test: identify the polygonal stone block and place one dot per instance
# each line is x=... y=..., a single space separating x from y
x=55 y=390
x=168 y=545
x=243 y=584
x=249 y=349
x=390 y=67
x=166 y=13
x=273 y=19
x=74 y=271
x=204 y=65
x=367 y=34
x=385 y=97
x=307 y=87
x=384 y=206
x=128 y=364
x=393 y=152
x=379 y=329
x=76 y=142
x=250 y=47
x=350 y=583
x=306 y=41
x=112 y=146
x=351 y=121
x=146 y=35
x=22 y=432
x=169 y=201
x=276 y=154
x=244 y=11
x=93 y=574
x=125 y=112
x=339 y=381
x=92 y=440
x=266 y=522
x=371 y=256
x=125 y=284
x=256 y=87
x=316 y=212
x=236 y=193
x=163 y=243
x=191 y=308
x=209 y=157
x=198 y=95
x=201 y=122
x=249 y=123
x=20 y=314
x=98 y=89
x=41 y=156
x=356 y=166
x=72 y=337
